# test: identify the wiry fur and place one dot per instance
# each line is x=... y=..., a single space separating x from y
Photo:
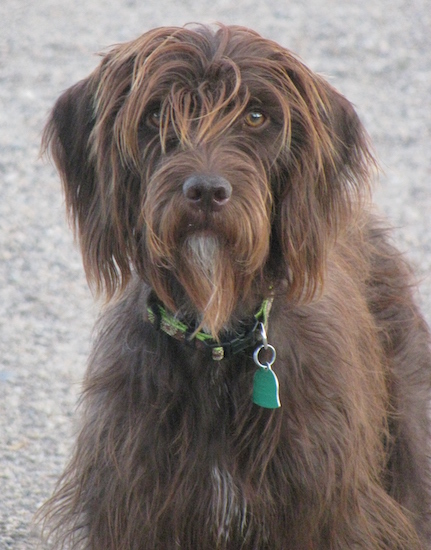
x=172 y=452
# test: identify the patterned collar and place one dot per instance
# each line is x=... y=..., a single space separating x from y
x=232 y=344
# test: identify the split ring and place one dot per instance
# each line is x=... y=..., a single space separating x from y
x=270 y=362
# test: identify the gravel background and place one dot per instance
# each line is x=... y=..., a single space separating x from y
x=378 y=53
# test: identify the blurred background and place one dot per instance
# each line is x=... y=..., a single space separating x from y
x=376 y=53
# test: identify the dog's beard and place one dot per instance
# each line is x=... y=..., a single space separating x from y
x=209 y=280
x=206 y=270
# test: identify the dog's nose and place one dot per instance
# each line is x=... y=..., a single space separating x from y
x=207 y=192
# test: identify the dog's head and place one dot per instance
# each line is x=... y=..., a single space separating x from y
x=212 y=163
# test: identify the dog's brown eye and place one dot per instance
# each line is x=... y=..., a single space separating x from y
x=153 y=118
x=255 y=119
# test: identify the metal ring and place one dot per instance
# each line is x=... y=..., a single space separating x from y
x=267 y=364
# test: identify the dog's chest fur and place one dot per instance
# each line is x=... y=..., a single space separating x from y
x=228 y=507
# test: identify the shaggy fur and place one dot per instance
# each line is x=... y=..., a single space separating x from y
x=207 y=169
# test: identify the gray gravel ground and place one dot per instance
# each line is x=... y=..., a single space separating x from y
x=378 y=53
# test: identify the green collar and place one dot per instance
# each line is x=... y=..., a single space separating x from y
x=169 y=324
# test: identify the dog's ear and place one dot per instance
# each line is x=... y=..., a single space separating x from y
x=68 y=138
x=325 y=177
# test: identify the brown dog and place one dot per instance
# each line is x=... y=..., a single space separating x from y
x=210 y=176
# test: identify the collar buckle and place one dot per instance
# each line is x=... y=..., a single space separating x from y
x=238 y=344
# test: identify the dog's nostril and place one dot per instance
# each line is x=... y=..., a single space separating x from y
x=207 y=192
x=193 y=193
x=222 y=194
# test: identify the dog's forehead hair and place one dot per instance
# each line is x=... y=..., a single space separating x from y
x=202 y=77
x=194 y=56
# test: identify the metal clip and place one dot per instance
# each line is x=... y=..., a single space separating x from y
x=263 y=335
x=265 y=346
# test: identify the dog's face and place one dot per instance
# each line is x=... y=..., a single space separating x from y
x=211 y=162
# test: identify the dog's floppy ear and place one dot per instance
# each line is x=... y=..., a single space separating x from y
x=325 y=176
x=68 y=138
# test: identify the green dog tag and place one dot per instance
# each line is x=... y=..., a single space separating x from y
x=265 y=389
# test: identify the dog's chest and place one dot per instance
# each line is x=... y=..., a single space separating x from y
x=228 y=506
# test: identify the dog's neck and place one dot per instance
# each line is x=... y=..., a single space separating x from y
x=245 y=337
